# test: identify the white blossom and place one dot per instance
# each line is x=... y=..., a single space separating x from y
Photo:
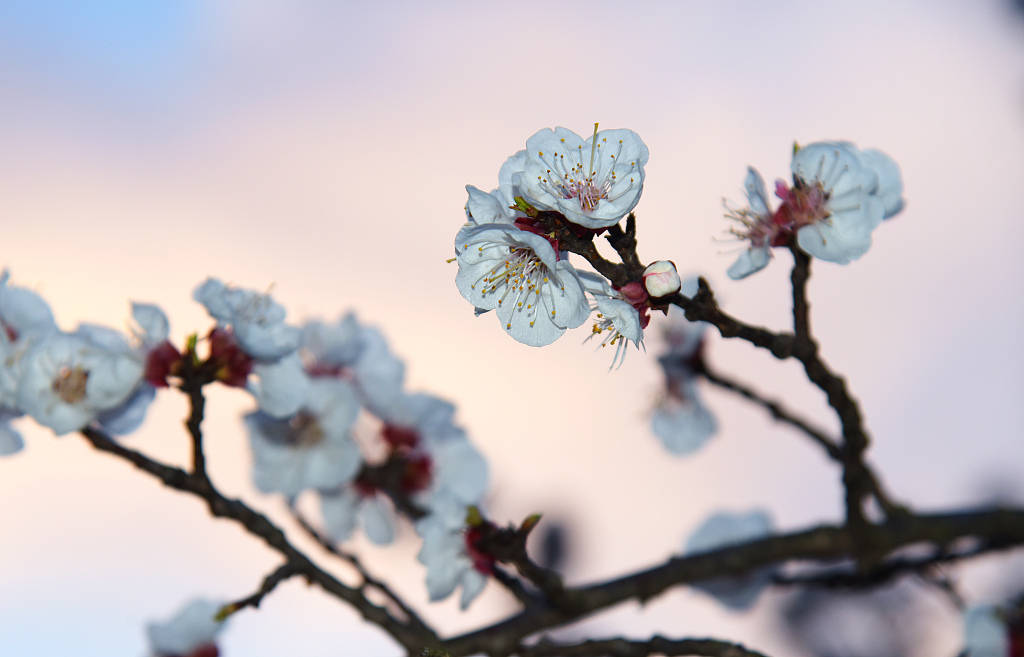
x=256 y=319
x=357 y=353
x=593 y=182
x=839 y=197
x=68 y=379
x=616 y=318
x=450 y=466
x=311 y=449
x=722 y=529
x=536 y=294
x=448 y=554
x=187 y=632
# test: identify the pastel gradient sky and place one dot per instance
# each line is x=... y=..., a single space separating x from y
x=322 y=148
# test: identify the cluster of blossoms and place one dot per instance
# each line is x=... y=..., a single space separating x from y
x=334 y=418
x=839 y=195
x=511 y=263
x=332 y=412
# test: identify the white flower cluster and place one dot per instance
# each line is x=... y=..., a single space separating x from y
x=509 y=264
x=69 y=380
x=330 y=396
x=332 y=408
x=840 y=194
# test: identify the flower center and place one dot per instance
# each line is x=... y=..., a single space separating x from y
x=803 y=204
x=304 y=430
x=587 y=184
x=70 y=384
x=521 y=275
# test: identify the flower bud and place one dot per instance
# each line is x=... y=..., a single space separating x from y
x=661 y=278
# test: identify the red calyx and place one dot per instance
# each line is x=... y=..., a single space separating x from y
x=418 y=473
x=162 y=361
x=482 y=562
x=531 y=225
x=400 y=437
x=233 y=364
x=635 y=294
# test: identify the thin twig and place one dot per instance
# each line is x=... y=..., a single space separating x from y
x=368 y=579
x=409 y=635
x=777 y=410
x=270 y=582
x=782 y=414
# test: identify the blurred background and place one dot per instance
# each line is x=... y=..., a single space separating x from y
x=321 y=149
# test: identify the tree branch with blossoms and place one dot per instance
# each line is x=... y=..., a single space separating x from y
x=334 y=420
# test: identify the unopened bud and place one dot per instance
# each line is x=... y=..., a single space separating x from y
x=661 y=279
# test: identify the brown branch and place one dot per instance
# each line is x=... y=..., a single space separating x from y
x=782 y=414
x=625 y=648
x=410 y=636
x=1000 y=528
x=857 y=482
x=702 y=307
x=777 y=410
x=368 y=580
x=801 y=307
x=270 y=582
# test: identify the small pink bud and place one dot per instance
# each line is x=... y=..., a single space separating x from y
x=661 y=278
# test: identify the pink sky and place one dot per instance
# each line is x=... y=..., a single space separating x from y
x=324 y=151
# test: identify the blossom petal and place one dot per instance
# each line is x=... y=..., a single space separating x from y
x=339 y=512
x=750 y=261
x=375 y=519
x=473 y=583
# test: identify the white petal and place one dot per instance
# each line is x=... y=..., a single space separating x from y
x=130 y=415
x=461 y=471
x=213 y=295
x=193 y=626
x=836 y=165
x=890 y=181
x=487 y=208
x=843 y=236
x=683 y=426
x=375 y=519
x=339 y=512
x=757 y=196
x=751 y=260
x=473 y=583
x=565 y=296
x=379 y=374
x=282 y=386
x=10 y=440
x=152 y=321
